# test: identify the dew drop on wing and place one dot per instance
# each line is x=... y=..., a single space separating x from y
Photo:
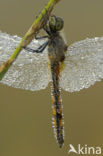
x=84 y=64
x=30 y=70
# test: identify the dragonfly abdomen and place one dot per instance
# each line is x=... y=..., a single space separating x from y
x=57 y=104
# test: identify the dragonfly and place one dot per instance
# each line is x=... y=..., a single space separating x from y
x=50 y=60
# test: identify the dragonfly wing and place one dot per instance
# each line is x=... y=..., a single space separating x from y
x=30 y=70
x=84 y=64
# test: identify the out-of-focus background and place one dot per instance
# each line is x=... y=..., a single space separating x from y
x=25 y=116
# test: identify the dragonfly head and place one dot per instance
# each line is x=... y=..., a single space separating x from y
x=55 y=23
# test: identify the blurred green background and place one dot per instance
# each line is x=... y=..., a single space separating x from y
x=25 y=116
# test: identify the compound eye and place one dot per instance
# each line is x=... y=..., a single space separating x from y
x=59 y=24
x=52 y=22
x=56 y=23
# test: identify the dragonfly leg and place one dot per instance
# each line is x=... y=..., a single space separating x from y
x=41 y=37
x=47 y=29
x=39 y=50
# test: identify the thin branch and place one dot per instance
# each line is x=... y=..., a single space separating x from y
x=29 y=36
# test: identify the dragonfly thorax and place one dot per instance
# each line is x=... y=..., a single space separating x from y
x=57 y=48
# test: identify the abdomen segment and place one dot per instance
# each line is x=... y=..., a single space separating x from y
x=57 y=104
